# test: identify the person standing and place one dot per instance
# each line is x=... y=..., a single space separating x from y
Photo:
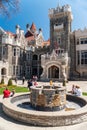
x=23 y=80
x=29 y=83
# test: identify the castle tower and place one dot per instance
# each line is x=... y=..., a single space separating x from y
x=60 y=27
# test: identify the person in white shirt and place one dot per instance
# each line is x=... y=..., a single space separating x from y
x=78 y=91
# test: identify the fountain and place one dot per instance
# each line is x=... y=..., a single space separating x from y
x=46 y=107
x=48 y=98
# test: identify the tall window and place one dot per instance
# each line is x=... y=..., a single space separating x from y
x=14 y=51
x=78 y=57
x=84 y=57
x=28 y=56
x=59 y=40
x=3 y=50
x=17 y=70
x=14 y=70
x=18 y=52
x=28 y=70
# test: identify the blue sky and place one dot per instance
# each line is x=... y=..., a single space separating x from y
x=37 y=11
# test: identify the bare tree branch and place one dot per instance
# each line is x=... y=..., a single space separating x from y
x=9 y=6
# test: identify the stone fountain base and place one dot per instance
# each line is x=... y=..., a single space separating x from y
x=48 y=98
x=42 y=118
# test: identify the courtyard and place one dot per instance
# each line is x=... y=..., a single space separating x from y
x=7 y=122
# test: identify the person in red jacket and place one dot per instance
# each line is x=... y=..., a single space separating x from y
x=6 y=93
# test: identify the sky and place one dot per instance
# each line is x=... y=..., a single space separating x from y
x=37 y=11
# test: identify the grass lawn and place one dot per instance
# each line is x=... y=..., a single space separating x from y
x=16 y=88
x=84 y=93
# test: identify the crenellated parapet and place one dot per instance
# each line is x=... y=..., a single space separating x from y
x=59 y=10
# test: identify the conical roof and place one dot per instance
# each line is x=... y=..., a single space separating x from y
x=33 y=27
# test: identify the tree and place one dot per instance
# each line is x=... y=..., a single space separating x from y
x=10 y=82
x=8 y=6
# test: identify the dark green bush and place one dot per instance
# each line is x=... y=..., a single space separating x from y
x=9 y=82
x=64 y=83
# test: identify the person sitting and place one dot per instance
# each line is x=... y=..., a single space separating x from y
x=6 y=93
x=73 y=89
x=78 y=91
x=12 y=93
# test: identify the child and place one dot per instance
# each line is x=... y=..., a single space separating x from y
x=12 y=93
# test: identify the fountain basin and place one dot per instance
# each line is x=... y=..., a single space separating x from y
x=43 y=118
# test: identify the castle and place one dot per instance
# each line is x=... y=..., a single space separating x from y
x=62 y=57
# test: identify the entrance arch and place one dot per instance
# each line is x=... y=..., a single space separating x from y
x=53 y=72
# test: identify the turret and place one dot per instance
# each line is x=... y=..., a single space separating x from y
x=17 y=29
x=27 y=27
x=40 y=30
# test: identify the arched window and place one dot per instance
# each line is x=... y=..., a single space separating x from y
x=3 y=71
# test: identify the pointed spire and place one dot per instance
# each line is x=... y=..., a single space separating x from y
x=33 y=27
x=58 y=3
x=58 y=7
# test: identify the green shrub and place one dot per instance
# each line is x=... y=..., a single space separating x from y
x=64 y=83
x=9 y=82
x=2 y=81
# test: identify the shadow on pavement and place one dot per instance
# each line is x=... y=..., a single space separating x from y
x=7 y=118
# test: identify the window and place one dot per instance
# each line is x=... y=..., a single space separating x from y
x=14 y=70
x=84 y=57
x=14 y=51
x=21 y=53
x=20 y=70
x=28 y=70
x=83 y=40
x=17 y=70
x=59 y=40
x=3 y=50
x=78 y=58
x=28 y=56
x=18 y=52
